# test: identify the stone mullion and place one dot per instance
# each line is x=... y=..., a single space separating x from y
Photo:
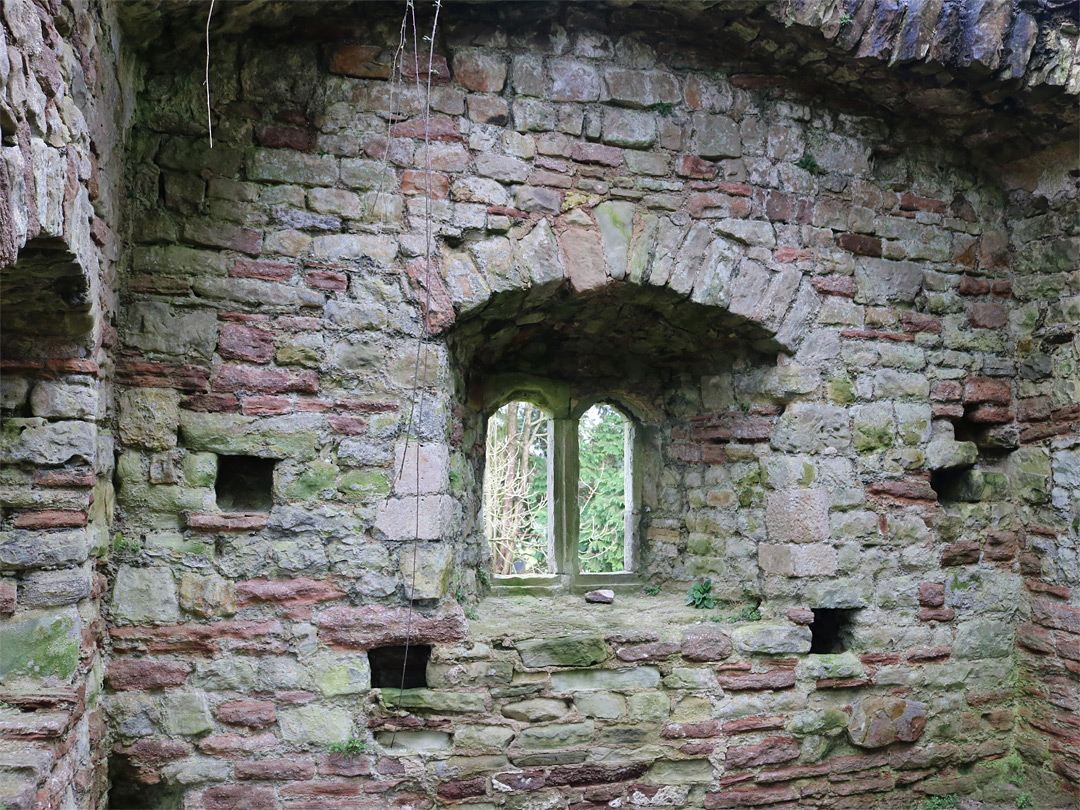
x=563 y=517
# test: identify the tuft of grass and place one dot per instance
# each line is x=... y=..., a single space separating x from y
x=946 y=802
x=747 y=613
x=350 y=749
x=651 y=590
x=665 y=108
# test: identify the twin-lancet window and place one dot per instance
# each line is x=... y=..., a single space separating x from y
x=559 y=494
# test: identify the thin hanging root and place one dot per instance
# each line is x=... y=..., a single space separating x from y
x=206 y=81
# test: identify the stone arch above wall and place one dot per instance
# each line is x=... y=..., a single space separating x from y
x=706 y=262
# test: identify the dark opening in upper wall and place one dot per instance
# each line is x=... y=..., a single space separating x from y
x=391 y=668
x=245 y=484
x=831 y=630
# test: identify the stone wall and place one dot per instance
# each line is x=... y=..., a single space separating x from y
x=850 y=342
x=63 y=118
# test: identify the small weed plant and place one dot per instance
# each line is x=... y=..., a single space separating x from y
x=651 y=590
x=700 y=595
x=846 y=20
x=808 y=163
x=747 y=613
x=1025 y=800
x=946 y=802
x=350 y=749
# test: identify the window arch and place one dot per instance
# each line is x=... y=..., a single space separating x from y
x=587 y=503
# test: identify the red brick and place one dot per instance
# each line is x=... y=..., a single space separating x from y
x=916 y=490
x=522 y=780
x=931 y=654
x=1001 y=289
x=247 y=713
x=359 y=61
x=931 y=594
x=275 y=770
x=378 y=626
x=288 y=592
x=434 y=68
x=859 y=244
x=1052 y=614
x=1036 y=433
x=327 y=787
x=212 y=403
x=973 y=286
x=326 y=280
x=348 y=425
x=249 y=343
x=72 y=365
x=261 y=380
x=964 y=552
x=50 y=519
x=216 y=233
x=65 y=478
x=227 y=521
x=439 y=128
x=435 y=185
x=647 y=652
x=947 y=411
x=988 y=316
x=843 y=286
x=1034 y=638
x=876 y=334
x=749 y=797
x=909 y=202
x=266 y=270
x=262 y=405
x=153 y=750
x=800 y=616
x=782 y=207
x=159 y=285
x=226 y=745
x=489 y=110
x=275 y=136
x=989 y=415
x=937 y=615
x=773 y=679
x=597 y=153
x=785 y=255
x=694 y=731
x=428 y=288
x=147 y=374
x=1000 y=546
x=462 y=789
x=7 y=597
x=341 y=765
x=595 y=774
x=948 y=391
x=146 y=673
x=1035 y=409
x=915 y=322
x=753 y=724
x=239 y=797
x=696 y=167
x=842 y=683
x=987 y=390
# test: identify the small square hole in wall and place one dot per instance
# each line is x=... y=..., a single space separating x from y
x=245 y=484
x=831 y=631
x=388 y=664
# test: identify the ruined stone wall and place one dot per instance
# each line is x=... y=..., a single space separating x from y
x=849 y=432
x=850 y=344
x=1042 y=216
x=63 y=120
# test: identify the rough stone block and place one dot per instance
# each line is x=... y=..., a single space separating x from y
x=880 y=721
x=145 y=595
x=40 y=644
x=771 y=639
x=49 y=588
x=425 y=570
x=207 y=596
x=535 y=710
x=610 y=679
x=797 y=515
x=186 y=713
x=149 y=417
x=717 y=136
x=63 y=400
x=314 y=724
x=396 y=517
x=23 y=549
x=579 y=651
x=556 y=736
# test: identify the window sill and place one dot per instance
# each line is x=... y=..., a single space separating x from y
x=554 y=584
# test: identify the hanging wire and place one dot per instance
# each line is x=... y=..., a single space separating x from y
x=417 y=408
x=206 y=81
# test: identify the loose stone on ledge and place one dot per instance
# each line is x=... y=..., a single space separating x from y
x=602 y=596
